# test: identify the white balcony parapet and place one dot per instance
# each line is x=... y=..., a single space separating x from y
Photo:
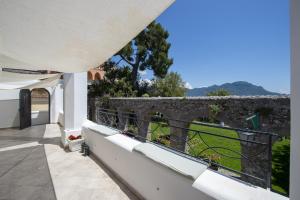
x=221 y=187
x=123 y=141
x=179 y=164
x=157 y=173
x=103 y=130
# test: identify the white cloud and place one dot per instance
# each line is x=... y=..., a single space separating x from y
x=188 y=85
x=143 y=73
x=283 y=91
x=146 y=81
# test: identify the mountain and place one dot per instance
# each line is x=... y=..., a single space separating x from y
x=241 y=88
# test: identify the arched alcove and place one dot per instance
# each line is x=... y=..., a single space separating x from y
x=97 y=76
x=214 y=142
x=40 y=106
x=159 y=128
x=127 y=121
x=90 y=76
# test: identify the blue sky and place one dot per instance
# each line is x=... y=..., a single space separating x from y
x=218 y=41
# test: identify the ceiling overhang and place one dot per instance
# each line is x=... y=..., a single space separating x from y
x=70 y=35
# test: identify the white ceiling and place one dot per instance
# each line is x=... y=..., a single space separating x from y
x=70 y=35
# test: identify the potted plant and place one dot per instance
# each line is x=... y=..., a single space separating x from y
x=213 y=161
x=75 y=142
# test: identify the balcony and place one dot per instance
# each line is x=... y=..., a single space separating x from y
x=34 y=165
x=124 y=162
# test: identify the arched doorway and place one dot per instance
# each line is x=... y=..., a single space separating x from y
x=97 y=76
x=40 y=106
x=90 y=76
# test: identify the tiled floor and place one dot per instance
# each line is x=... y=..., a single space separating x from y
x=34 y=166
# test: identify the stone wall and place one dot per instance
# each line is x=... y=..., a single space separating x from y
x=274 y=112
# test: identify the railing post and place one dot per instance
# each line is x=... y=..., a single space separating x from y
x=92 y=109
x=123 y=120
x=257 y=159
x=269 y=173
x=178 y=134
x=96 y=112
x=143 y=121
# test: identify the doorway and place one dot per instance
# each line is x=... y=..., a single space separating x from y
x=40 y=106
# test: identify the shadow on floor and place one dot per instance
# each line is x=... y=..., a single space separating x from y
x=24 y=174
x=24 y=171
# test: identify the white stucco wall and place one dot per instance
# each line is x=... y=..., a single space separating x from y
x=9 y=108
x=61 y=119
x=39 y=117
x=9 y=94
x=295 y=101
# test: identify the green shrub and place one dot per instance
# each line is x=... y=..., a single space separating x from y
x=220 y=92
x=145 y=95
x=281 y=166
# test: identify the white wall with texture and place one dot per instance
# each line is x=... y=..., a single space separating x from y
x=9 y=108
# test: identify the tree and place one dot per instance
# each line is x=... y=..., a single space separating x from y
x=149 y=50
x=220 y=92
x=281 y=165
x=170 y=86
x=116 y=82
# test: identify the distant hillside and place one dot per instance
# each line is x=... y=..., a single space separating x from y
x=240 y=88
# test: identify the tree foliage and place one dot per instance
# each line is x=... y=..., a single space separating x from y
x=281 y=165
x=170 y=86
x=148 y=50
x=116 y=82
x=220 y=92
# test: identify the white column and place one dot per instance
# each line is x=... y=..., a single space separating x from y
x=295 y=101
x=56 y=102
x=75 y=102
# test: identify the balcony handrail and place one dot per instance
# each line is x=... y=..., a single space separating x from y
x=113 y=120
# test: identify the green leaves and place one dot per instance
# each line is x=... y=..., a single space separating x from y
x=170 y=86
x=148 y=50
x=281 y=165
x=116 y=82
x=220 y=92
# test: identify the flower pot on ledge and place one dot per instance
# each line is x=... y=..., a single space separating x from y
x=75 y=144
